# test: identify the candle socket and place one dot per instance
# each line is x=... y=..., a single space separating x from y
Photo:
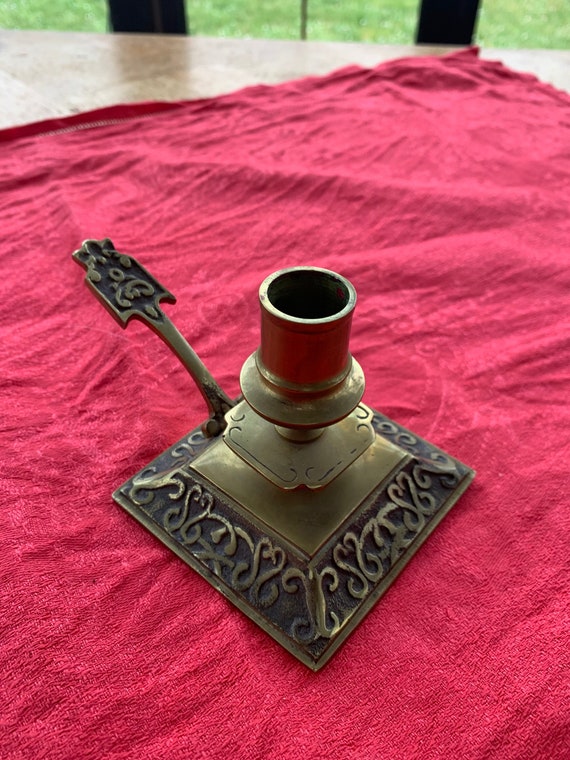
x=303 y=376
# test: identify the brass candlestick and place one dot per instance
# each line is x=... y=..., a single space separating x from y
x=298 y=502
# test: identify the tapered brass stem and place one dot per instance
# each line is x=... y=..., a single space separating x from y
x=217 y=400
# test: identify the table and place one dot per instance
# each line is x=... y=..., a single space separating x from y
x=47 y=74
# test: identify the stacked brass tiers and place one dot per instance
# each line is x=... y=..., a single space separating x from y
x=298 y=502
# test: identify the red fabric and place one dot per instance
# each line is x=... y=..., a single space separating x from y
x=441 y=188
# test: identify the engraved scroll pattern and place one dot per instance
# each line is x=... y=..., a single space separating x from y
x=124 y=286
x=249 y=562
x=190 y=514
x=309 y=604
x=366 y=554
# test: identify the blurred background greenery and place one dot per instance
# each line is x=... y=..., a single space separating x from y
x=502 y=23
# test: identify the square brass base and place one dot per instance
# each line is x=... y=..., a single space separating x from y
x=305 y=566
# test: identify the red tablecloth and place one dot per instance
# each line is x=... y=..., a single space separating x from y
x=441 y=189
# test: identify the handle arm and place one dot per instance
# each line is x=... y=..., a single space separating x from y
x=128 y=291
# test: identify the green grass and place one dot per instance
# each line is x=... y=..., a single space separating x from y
x=502 y=23
x=66 y=15
x=535 y=24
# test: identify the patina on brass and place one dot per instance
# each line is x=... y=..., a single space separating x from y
x=299 y=503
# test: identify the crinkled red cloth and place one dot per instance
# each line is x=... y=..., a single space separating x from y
x=441 y=189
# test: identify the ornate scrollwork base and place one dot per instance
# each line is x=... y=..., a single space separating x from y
x=308 y=605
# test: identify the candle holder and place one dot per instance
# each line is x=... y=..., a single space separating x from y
x=297 y=501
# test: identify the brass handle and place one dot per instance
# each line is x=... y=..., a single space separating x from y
x=127 y=291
